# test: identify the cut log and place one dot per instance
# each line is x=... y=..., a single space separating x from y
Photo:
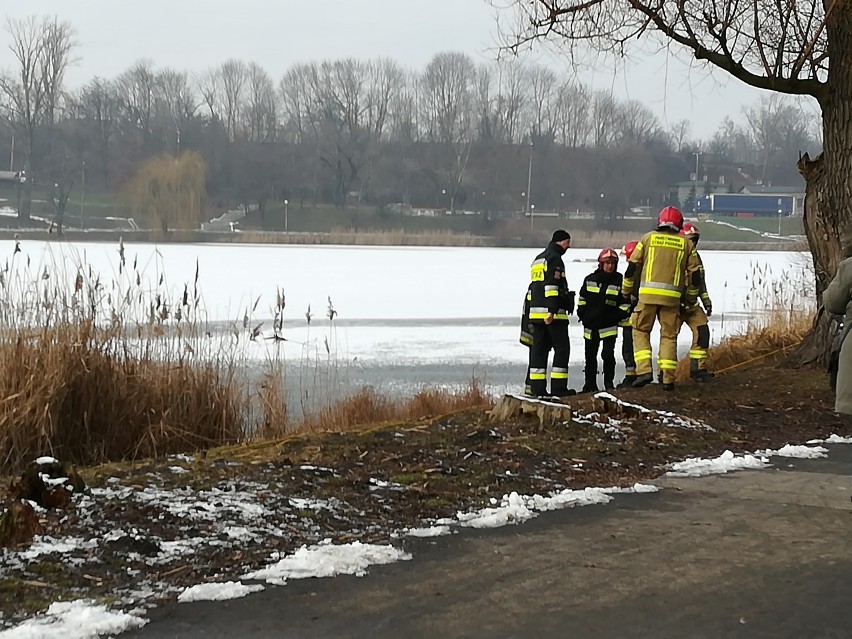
x=548 y=411
x=608 y=405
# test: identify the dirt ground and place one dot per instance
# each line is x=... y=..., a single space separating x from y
x=403 y=475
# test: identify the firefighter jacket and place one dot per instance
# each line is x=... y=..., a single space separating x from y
x=526 y=337
x=548 y=289
x=600 y=304
x=702 y=288
x=667 y=269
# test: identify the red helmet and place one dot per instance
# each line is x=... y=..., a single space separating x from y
x=691 y=231
x=670 y=217
x=629 y=248
x=607 y=254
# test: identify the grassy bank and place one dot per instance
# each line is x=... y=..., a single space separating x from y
x=94 y=371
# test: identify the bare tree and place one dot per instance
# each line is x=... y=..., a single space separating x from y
x=733 y=142
x=137 y=89
x=385 y=79
x=512 y=92
x=604 y=119
x=635 y=122
x=176 y=104
x=679 y=134
x=261 y=105
x=787 y=47
x=447 y=84
x=574 y=112
x=233 y=84
x=296 y=97
x=209 y=85
x=778 y=130
x=484 y=104
x=404 y=123
x=41 y=51
x=58 y=48
x=543 y=114
x=99 y=104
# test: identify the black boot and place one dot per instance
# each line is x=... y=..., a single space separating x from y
x=699 y=374
x=627 y=382
x=643 y=380
x=590 y=388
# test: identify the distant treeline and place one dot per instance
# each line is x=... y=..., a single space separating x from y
x=504 y=136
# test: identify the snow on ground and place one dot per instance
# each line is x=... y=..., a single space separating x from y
x=75 y=620
x=85 y=619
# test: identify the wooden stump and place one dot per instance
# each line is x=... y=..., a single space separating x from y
x=606 y=405
x=19 y=524
x=549 y=412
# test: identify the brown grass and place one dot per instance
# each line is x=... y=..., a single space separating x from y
x=93 y=371
x=368 y=408
x=784 y=315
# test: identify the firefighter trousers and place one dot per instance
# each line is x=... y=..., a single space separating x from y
x=547 y=337
x=593 y=340
x=643 y=323
x=627 y=352
x=696 y=319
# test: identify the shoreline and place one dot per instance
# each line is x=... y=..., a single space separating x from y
x=354 y=238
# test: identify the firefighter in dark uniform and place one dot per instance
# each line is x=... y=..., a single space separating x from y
x=626 y=325
x=696 y=318
x=550 y=304
x=600 y=308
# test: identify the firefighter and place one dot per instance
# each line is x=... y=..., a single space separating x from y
x=667 y=269
x=696 y=318
x=600 y=309
x=628 y=305
x=526 y=337
x=550 y=304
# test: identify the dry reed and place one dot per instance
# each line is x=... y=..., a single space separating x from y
x=96 y=370
x=368 y=408
x=782 y=313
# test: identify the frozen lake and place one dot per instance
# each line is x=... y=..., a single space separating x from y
x=407 y=317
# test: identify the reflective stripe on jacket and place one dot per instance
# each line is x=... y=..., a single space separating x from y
x=548 y=289
x=666 y=267
x=600 y=304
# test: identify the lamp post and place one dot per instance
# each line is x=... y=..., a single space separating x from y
x=286 y=220
x=83 y=196
x=780 y=213
x=532 y=215
x=695 y=197
x=529 y=179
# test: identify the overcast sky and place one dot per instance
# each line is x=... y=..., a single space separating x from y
x=193 y=35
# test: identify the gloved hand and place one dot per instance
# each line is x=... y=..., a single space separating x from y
x=569 y=303
x=708 y=308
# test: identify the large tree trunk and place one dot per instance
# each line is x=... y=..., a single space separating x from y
x=828 y=198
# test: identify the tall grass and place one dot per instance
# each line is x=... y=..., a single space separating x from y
x=369 y=407
x=781 y=308
x=95 y=370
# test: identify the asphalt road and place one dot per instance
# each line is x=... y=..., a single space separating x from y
x=753 y=554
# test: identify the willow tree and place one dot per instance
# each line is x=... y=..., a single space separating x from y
x=169 y=192
x=797 y=47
